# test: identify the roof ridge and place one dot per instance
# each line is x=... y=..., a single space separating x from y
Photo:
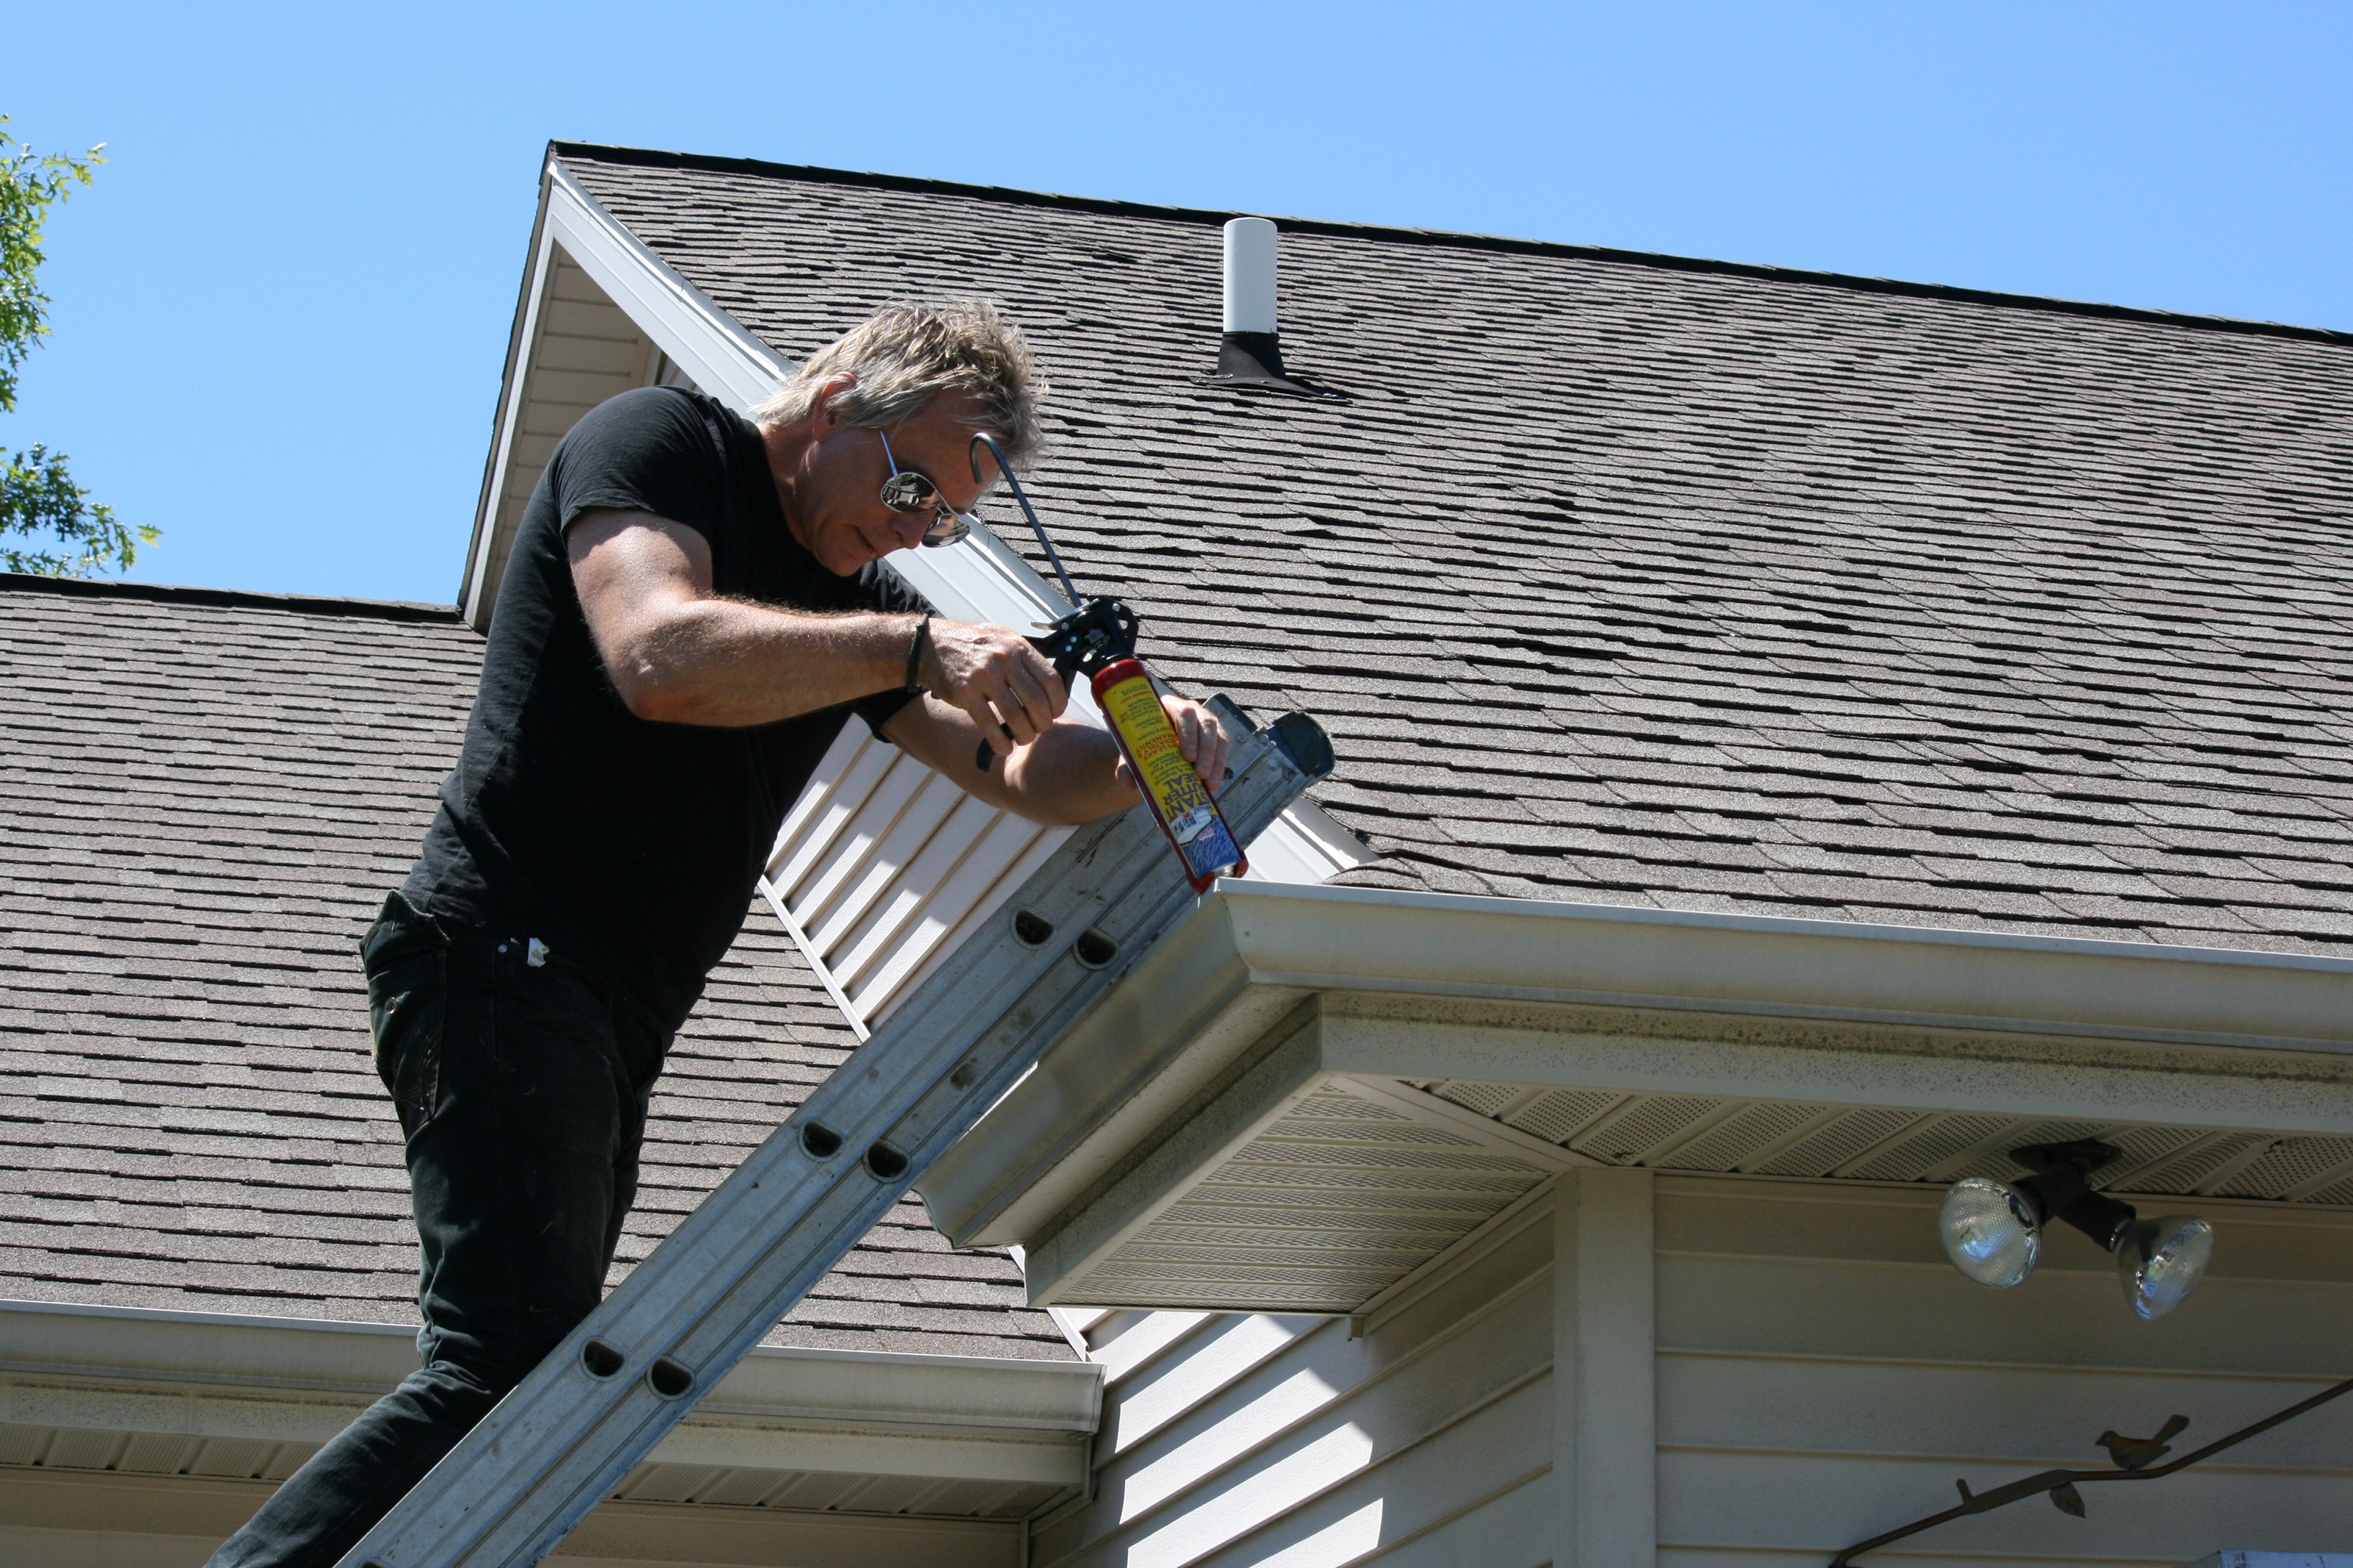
x=646 y=157
x=234 y=598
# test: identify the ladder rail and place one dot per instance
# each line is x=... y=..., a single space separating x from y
x=566 y=1436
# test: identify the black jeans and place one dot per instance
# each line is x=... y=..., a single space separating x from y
x=522 y=1090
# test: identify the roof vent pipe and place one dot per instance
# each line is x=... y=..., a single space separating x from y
x=1250 y=277
x=1252 y=353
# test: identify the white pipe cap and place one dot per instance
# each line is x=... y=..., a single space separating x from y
x=1249 y=275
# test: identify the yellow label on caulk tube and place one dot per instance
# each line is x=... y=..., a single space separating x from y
x=1172 y=788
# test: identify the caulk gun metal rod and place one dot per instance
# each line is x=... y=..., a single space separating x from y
x=1028 y=511
x=561 y=1442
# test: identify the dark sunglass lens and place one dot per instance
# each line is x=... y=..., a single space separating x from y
x=908 y=492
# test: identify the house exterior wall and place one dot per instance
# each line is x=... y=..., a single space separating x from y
x=1230 y=1440
x=1821 y=1374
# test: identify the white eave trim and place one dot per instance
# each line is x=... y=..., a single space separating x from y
x=1439 y=944
x=1407 y=985
x=124 y=1359
x=703 y=340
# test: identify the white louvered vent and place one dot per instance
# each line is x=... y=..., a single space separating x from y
x=883 y=868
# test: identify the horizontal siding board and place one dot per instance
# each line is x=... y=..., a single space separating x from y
x=1800 y=1502
x=582 y=389
x=1514 y=1529
x=1825 y=1375
x=887 y=927
x=2058 y=1317
x=1228 y=1347
x=563 y=352
x=1240 y=1423
x=583 y=318
x=1992 y=1414
x=1397 y=1497
x=998 y=867
x=1894 y=1225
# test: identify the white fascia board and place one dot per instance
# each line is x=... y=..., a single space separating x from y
x=218 y=1375
x=703 y=340
x=473 y=589
x=1441 y=944
x=1422 y=985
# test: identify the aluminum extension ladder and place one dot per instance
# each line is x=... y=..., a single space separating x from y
x=565 y=1437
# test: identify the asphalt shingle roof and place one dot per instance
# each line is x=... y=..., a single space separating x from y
x=1639 y=581
x=204 y=798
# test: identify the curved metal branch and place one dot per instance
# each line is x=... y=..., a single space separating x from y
x=2052 y=1480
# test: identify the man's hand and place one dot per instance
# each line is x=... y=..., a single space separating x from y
x=1072 y=773
x=1009 y=689
x=1200 y=737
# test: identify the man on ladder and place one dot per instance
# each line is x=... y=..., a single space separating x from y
x=692 y=608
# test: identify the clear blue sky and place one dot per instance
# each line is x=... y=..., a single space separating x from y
x=282 y=311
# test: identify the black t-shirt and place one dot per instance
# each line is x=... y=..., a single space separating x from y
x=631 y=847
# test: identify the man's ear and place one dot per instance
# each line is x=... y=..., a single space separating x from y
x=821 y=412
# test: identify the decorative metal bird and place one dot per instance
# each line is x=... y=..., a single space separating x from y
x=2134 y=1453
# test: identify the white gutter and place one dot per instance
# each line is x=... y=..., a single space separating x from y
x=1367 y=939
x=1391 y=984
x=209 y=1374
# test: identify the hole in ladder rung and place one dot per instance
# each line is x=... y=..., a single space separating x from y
x=885 y=1162
x=1095 y=949
x=669 y=1379
x=821 y=1142
x=1032 y=929
x=601 y=1360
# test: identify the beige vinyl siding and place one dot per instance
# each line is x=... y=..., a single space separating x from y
x=1824 y=1376
x=583 y=349
x=1262 y=1439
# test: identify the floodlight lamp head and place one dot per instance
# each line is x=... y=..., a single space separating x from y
x=2159 y=1261
x=1992 y=1231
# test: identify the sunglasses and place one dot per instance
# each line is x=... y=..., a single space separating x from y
x=908 y=492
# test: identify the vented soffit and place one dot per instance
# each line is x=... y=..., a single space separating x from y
x=1303 y=1090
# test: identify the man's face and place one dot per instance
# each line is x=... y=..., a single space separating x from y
x=837 y=511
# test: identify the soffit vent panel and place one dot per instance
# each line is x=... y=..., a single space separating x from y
x=925 y=1497
x=1732 y=1137
x=1333 y=1202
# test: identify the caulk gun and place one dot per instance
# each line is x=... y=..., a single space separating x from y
x=1097 y=639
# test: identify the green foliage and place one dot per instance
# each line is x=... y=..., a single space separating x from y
x=37 y=496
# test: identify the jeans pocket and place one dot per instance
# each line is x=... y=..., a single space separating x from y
x=407 y=959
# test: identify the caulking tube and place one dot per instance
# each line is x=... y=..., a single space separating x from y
x=1180 y=800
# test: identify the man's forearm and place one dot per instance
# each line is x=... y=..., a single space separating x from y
x=1068 y=775
x=727 y=663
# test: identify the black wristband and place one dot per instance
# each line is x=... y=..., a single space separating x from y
x=915 y=647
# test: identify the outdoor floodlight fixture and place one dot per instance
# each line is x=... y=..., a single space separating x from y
x=1992 y=1230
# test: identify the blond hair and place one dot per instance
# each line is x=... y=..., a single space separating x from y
x=904 y=355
